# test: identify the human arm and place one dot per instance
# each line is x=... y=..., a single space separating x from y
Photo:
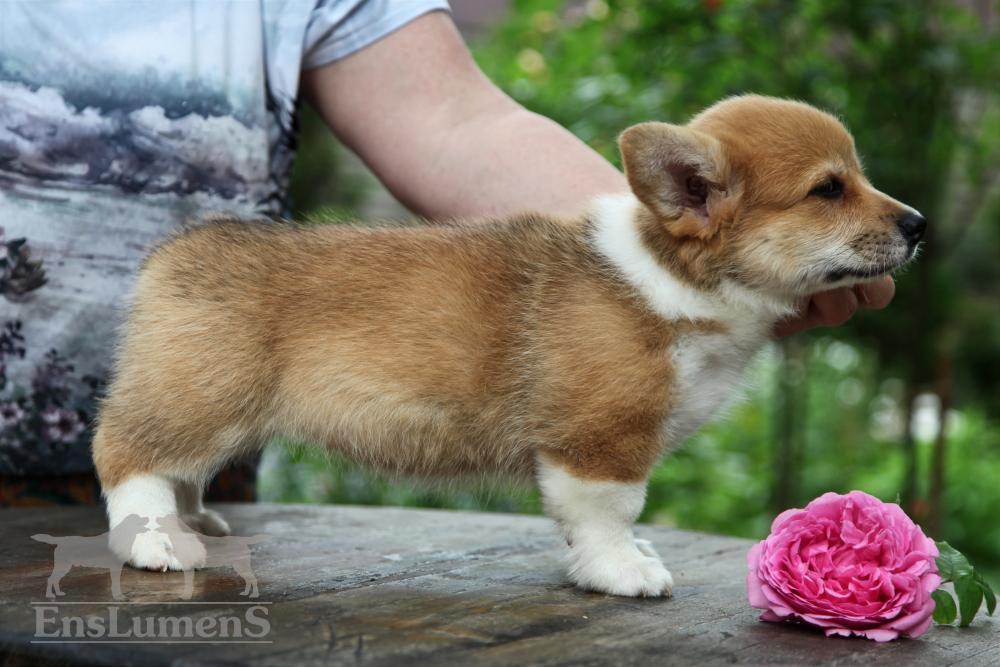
x=444 y=139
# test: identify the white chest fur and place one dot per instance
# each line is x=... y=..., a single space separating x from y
x=708 y=367
x=708 y=375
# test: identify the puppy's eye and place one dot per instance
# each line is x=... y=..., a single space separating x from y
x=831 y=188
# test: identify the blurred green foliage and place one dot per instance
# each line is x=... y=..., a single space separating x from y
x=322 y=185
x=916 y=82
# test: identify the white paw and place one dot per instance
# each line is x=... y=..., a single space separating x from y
x=207 y=522
x=156 y=551
x=646 y=548
x=627 y=572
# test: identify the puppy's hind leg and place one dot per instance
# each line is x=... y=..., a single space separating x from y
x=194 y=514
x=152 y=497
x=596 y=517
x=134 y=486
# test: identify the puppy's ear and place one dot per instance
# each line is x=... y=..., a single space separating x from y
x=680 y=174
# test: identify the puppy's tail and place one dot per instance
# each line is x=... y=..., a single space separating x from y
x=47 y=539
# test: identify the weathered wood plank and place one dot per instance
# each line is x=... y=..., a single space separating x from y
x=384 y=586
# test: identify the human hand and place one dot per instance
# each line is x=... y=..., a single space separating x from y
x=833 y=308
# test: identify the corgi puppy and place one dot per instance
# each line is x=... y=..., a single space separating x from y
x=575 y=351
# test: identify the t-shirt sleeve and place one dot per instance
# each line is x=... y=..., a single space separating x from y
x=338 y=28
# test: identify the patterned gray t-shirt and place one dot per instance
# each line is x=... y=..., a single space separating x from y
x=118 y=121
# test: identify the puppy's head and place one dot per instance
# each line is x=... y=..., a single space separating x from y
x=774 y=192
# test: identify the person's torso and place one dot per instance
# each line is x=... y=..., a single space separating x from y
x=118 y=121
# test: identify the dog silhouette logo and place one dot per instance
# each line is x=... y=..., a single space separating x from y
x=192 y=550
x=195 y=551
x=91 y=551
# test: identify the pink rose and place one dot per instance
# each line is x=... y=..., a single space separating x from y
x=849 y=564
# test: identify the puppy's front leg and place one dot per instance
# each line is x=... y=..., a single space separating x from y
x=596 y=517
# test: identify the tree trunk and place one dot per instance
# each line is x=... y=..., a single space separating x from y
x=943 y=385
x=789 y=423
x=908 y=491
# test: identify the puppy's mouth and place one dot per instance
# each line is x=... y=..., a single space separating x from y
x=861 y=274
x=874 y=270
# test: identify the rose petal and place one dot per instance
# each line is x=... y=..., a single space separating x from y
x=771 y=617
x=879 y=634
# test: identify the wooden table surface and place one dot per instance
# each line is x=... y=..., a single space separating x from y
x=385 y=586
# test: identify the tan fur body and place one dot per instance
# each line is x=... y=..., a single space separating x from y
x=421 y=350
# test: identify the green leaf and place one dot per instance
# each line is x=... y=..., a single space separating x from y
x=951 y=563
x=944 y=607
x=991 y=598
x=970 y=597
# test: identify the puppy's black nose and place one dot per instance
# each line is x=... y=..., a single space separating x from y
x=912 y=225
